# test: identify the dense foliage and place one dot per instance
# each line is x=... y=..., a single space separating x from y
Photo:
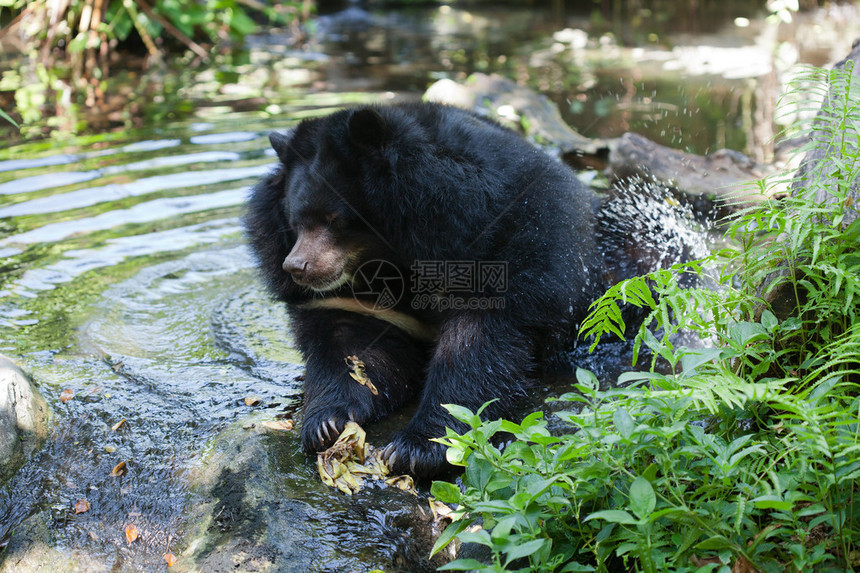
x=73 y=48
x=746 y=456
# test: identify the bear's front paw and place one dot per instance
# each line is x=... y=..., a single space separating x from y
x=321 y=428
x=413 y=454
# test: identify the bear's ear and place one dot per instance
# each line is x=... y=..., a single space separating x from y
x=281 y=143
x=368 y=130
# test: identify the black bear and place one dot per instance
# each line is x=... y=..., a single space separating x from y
x=442 y=250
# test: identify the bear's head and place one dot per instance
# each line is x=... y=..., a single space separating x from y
x=324 y=196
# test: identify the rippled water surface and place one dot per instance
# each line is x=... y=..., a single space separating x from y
x=126 y=280
x=128 y=283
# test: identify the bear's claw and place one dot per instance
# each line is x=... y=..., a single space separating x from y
x=408 y=453
x=320 y=431
x=328 y=432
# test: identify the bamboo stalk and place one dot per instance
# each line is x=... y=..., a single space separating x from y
x=141 y=29
x=86 y=17
x=175 y=32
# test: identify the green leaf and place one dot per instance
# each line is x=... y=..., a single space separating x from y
x=448 y=535
x=525 y=549
x=715 y=542
x=769 y=321
x=463 y=565
x=480 y=537
x=503 y=528
x=643 y=500
x=692 y=359
x=445 y=492
x=5 y=116
x=747 y=332
x=538 y=486
x=625 y=548
x=587 y=378
x=241 y=23
x=772 y=502
x=574 y=567
x=623 y=422
x=479 y=472
x=465 y=415
x=613 y=516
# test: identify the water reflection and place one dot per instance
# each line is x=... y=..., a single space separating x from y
x=116 y=191
x=141 y=213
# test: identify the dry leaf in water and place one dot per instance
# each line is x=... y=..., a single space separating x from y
x=117 y=426
x=279 y=425
x=82 y=506
x=251 y=400
x=350 y=461
x=404 y=482
x=333 y=464
x=440 y=510
x=357 y=371
x=66 y=395
x=119 y=469
x=131 y=532
x=170 y=559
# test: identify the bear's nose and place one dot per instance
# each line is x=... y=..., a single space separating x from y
x=296 y=266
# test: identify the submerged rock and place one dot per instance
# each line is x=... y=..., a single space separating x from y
x=263 y=508
x=23 y=417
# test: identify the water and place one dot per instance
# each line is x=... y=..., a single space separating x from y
x=127 y=281
x=124 y=277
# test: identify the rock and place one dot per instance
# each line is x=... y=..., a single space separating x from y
x=263 y=507
x=724 y=174
x=826 y=176
x=518 y=107
x=34 y=547
x=23 y=417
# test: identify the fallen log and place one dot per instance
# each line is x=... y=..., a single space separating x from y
x=724 y=175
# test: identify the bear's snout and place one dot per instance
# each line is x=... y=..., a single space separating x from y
x=317 y=261
x=296 y=266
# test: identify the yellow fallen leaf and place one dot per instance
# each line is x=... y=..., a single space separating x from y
x=170 y=559
x=119 y=469
x=440 y=510
x=251 y=400
x=66 y=395
x=82 y=506
x=350 y=460
x=117 y=426
x=404 y=482
x=357 y=372
x=131 y=533
x=279 y=425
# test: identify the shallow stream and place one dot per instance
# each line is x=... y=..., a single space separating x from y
x=124 y=278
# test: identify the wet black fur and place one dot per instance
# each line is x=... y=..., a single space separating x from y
x=422 y=182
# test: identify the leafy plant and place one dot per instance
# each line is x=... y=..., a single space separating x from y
x=745 y=456
x=71 y=45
